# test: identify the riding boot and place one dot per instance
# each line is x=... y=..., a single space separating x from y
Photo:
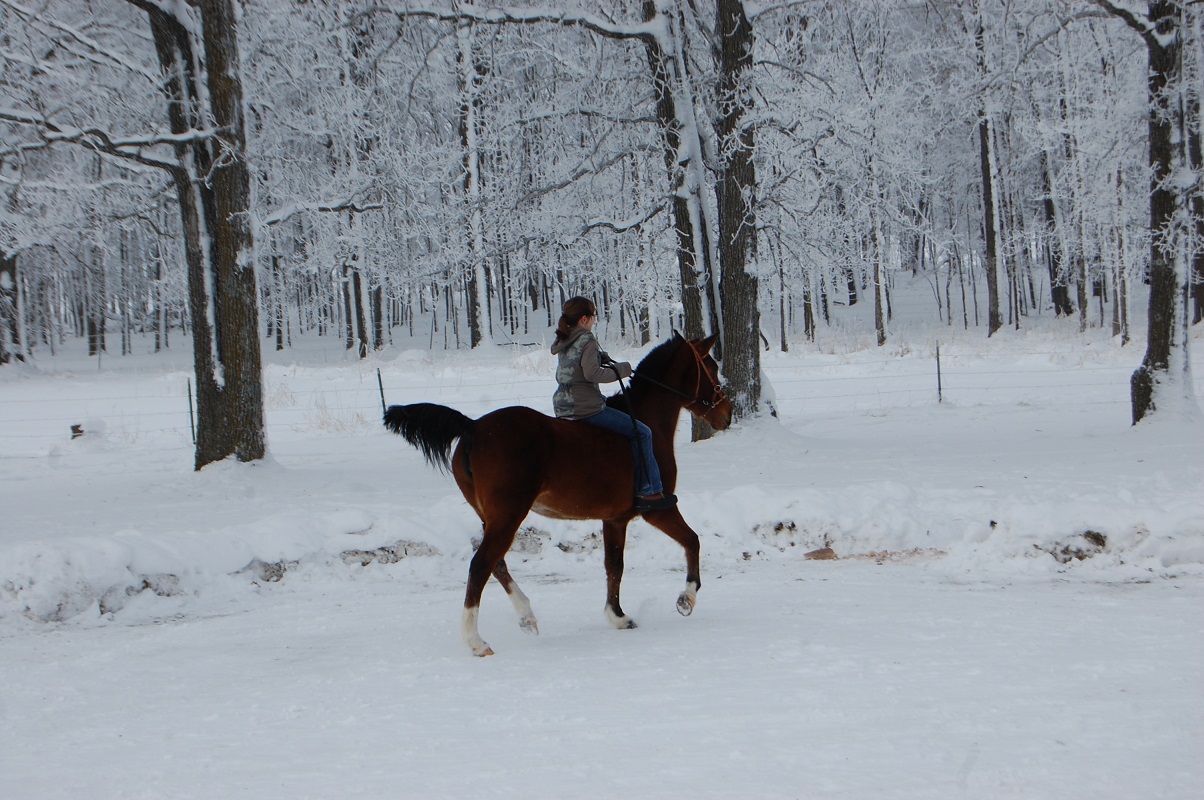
x=655 y=502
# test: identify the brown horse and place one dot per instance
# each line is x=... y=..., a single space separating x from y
x=516 y=460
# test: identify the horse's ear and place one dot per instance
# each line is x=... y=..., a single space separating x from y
x=705 y=345
x=677 y=335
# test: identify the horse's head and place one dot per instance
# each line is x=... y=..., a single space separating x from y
x=710 y=401
x=686 y=371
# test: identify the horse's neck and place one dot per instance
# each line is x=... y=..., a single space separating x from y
x=658 y=415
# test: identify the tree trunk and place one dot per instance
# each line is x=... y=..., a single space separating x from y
x=94 y=300
x=1059 y=290
x=685 y=182
x=879 y=258
x=736 y=195
x=378 y=317
x=233 y=246
x=277 y=305
x=671 y=125
x=990 y=225
x=1195 y=155
x=349 y=308
x=214 y=196
x=10 y=328
x=471 y=71
x=361 y=319
x=1120 y=293
x=1165 y=367
x=990 y=196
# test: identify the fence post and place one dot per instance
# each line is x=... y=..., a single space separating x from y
x=939 y=393
x=381 y=384
x=191 y=419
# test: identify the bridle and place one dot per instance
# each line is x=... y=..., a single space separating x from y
x=717 y=393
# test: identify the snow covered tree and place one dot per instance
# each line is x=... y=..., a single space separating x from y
x=682 y=149
x=736 y=192
x=10 y=326
x=200 y=81
x=204 y=112
x=471 y=68
x=472 y=164
x=199 y=56
x=1164 y=375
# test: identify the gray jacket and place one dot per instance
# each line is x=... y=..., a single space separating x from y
x=578 y=373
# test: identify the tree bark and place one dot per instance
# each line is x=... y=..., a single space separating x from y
x=688 y=258
x=471 y=72
x=1167 y=339
x=1059 y=290
x=214 y=191
x=990 y=226
x=879 y=263
x=685 y=184
x=10 y=328
x=990 y=196
x=1195 y=155
x=1163 y=58
x=736 y=197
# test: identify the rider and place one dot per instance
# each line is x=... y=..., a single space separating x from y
x=582 y=366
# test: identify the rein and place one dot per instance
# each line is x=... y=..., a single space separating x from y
x=717 y=395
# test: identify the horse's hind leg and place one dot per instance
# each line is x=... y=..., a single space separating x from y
x=671 y=523
x=614 y=539
x=526 y=619
x=499 y=535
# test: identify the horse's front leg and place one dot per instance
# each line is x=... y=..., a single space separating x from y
x=614 y=540
x=671 y=523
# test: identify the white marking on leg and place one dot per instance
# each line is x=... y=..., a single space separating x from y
x=472 y=638
x=686 y=600
x=623 y=623
x=526 y=618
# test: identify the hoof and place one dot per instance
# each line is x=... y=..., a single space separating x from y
x=685 y=605
x=529 y=625
x=488 y=651
x=622 y=623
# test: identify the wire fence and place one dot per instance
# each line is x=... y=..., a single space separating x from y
x=153 y=411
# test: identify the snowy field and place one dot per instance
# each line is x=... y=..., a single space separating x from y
x=1015 y=611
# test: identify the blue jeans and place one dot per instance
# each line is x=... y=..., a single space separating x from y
x=648 y=481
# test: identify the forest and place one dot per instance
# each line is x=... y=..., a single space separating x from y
x=228 y=175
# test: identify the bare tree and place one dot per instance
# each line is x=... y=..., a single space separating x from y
x=736 y=192
x=10 y=325
x=988 y=163
x=214 y=191
x=1164 y=372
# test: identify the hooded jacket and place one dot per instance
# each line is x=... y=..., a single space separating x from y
x=578 y=373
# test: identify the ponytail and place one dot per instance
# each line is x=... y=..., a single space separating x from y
x=574 y=310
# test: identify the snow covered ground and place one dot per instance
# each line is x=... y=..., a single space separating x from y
x=1015 y=611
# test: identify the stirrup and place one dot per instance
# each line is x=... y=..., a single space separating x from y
x=643 y=505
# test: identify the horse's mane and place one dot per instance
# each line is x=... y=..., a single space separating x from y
x=658 y=358
x=653 y=364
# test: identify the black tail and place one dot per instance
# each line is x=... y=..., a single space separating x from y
x=431 y=428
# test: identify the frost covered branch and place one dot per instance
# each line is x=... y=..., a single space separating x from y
x=504 y=16
x=100 y=140
x=92 y=50
x=350 y=204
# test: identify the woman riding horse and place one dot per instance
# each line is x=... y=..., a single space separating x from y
x=516 y=460
x=581 y=366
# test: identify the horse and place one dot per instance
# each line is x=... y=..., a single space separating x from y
x=515 y=460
